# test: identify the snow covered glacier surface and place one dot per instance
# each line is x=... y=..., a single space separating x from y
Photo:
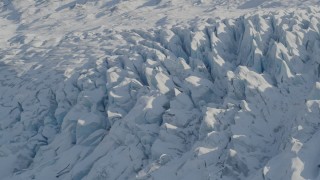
x=208 y=98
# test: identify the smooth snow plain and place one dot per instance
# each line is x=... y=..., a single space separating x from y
x=159 y=89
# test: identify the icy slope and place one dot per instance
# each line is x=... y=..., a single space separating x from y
x=97 y=97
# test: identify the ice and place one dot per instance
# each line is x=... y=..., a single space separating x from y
x=166 y=89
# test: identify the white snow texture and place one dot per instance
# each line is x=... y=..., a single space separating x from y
x=159 y=89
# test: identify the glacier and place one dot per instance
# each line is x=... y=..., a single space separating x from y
x=143 y=90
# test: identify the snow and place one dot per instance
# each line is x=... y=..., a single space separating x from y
x=159 y=89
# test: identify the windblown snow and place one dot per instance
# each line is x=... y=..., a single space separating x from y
x=159 y=89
